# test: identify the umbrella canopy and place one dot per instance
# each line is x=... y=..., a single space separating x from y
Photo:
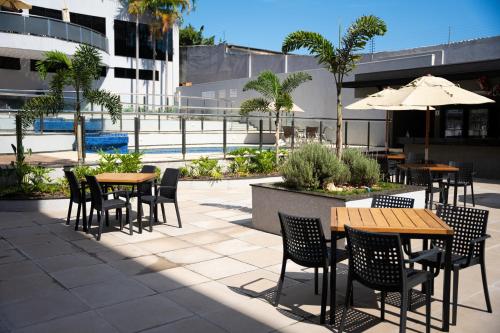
x=15 y=4
x=429 y=91
x=295 y=108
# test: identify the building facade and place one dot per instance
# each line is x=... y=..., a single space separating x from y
x=104 y=24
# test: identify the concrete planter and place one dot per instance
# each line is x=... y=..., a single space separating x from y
x=269 y=199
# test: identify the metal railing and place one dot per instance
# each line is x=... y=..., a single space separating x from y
x=48 y=27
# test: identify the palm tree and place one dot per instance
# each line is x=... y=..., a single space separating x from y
x=163 y=14
x=340 y=60
x=276 y=96
x=79 y=71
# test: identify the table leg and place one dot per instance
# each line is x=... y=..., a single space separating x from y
x=84 y=219
x=333 y=277
x=446 y=285
x=455 y=190
x=139 y=215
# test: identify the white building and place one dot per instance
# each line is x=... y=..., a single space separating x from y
x=105 y=24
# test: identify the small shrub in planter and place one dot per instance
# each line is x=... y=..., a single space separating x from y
x=202 y=167
x=364 y=171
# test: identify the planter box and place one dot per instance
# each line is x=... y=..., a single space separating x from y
x=269 y=199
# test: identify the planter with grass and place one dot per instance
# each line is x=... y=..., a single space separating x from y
x=314 y=181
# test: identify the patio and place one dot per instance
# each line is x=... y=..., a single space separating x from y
x=216 y=274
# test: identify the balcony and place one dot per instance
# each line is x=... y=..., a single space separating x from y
x=52 y=28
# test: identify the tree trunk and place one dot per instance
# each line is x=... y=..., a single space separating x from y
x=137 y=64
x=339 y=122
x=277 y=135
x=78 y=135
x=154 y=71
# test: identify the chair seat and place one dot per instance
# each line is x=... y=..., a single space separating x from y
x=459 y=183
x=340 y=255
x=160 y=199
x=113 y=203
x=416 y=277
x=432 y=261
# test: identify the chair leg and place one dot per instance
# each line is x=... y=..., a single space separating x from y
x=151 y=213
x=69 y=212
x=121 y=219
x=346 y=305
x=465 y=195
x=427 y=309
x=324 y=294
x=316 y=281
x=485 y=285
x=472 y=193
x=78 y=210
x=404 y=309
x=156 y=213
x=455 y=296
x=280 y=281
x=127 y=217
x=107 y=218
x=178 y=215
x=163 y=213
x=116 y=214
x=89 y=222
x=99 y=222
x=382 y=305
x=410 y=297
x=431 y=203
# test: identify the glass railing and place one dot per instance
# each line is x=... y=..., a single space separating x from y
x=47 y=27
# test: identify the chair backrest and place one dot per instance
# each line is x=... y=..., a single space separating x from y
x=303 y=240
x=95 y=192
x=375 y=259
x=311 y=132
x=419 y=177
x=74 y=187
x=145 y=188
x=287 y=131
x=389 y=201
x=412 y=157
x=467 y=224
x=170 y=178
x=465 y=171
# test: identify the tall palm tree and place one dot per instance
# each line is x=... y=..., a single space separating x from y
x=276 y=96
x=79 y=72
x=340 y=60
x=162 y=14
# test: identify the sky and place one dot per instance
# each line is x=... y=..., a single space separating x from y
x=410 y=23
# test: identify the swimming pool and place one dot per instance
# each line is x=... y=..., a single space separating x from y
x=198 y=150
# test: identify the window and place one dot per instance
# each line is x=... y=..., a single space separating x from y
x=125 y=41
x=124 y=38
x=93 y=22
x=10 y=63
x=454 y=123
x=129 y=73
x=478 y=123
x=46 y=12
x=145 y=74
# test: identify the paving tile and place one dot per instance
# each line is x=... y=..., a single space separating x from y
x=4 y=245
x=294 y=271
x=142 y=265
x=90 y=245
x=80 y=323
x=80 y=276
x=24 y=287
x=67 y=261
x=212 y=224
x=193 y=324
x=170 y=279
x=116 y=290
x=220 y=268
x=15 y=220
x=262 y=239
x=47 y=249
x=231 y=246
x=189 y=255
x=163 y=244
x=143 y=313
x=261 y=257
x=18 y=269
x=137 y=237
x=176 y=231
x=41 y=308
x=11 y=255
x=121 y=252
x=204 y=237
x=23 y=232
x=221 y=213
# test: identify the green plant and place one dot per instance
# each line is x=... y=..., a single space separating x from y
x=312 y=166
x=340 y=60
x=276 y=97
x=190 y=36
x=202 y=167
x=22 y=168
x=364 y=171
x=130 y=162
x=263 y=162
x=240 y=165
x=38 y=178
x=82 y=170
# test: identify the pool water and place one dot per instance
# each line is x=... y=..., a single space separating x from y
x=197 y=150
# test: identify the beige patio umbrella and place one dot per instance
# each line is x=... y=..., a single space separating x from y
x=295 y=108
x=429 y=91
x=368 y=102
x=15 y=4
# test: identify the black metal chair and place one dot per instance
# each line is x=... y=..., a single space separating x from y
x=304 y=243
x=102 y=206
x=465 y=177
x=144 y=188
x=469 y=237
x=376 y=261
x=165 y=192
x=76 y=197
x=389 y=169
x=423 y=177
x=412 y=157
x=389 y=201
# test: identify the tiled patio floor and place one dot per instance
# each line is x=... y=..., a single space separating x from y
x=216 y=274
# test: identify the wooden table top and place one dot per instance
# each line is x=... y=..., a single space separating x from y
x=399 y=157
x=432 y=167
x=124 y=178
x=389 y=220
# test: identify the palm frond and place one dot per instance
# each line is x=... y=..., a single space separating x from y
x=294 y=80
x=53 y=61
x=316 y=44
x=254 y=105
x=108 y=100
x=267 y=84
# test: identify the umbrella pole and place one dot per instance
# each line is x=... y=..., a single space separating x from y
x=387 y=131
x=427 y=129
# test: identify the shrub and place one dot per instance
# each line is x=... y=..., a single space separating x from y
x=202 y=167
x=312 y=167
x=116 y=162
x=364 y=171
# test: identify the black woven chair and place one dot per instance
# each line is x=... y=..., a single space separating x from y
x=76 y=197
x=412 y=157
x=144 y=188
x=304 y=243
x=376 y=261
x=423 y=177
x=469 y=237
x=102 y=206
x=465 y=177
x=389 y=169
x=165 y=192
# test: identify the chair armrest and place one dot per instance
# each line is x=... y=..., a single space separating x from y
x=473 y=243
x=424 y=255
x=117 y=192
x=165 y=186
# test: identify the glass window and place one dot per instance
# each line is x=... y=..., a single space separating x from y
x=124 y=38
x=10 y=63
x=454 y=123
x=46 y=12
x=478 y=122
x=92 y=22
x=125 y=42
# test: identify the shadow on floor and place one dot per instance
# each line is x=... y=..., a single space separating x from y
x=243 y=209
x=491 y=200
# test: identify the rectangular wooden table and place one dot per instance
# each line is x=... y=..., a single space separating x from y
x=435 y=168
x=135 y=179
x=409 y=223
